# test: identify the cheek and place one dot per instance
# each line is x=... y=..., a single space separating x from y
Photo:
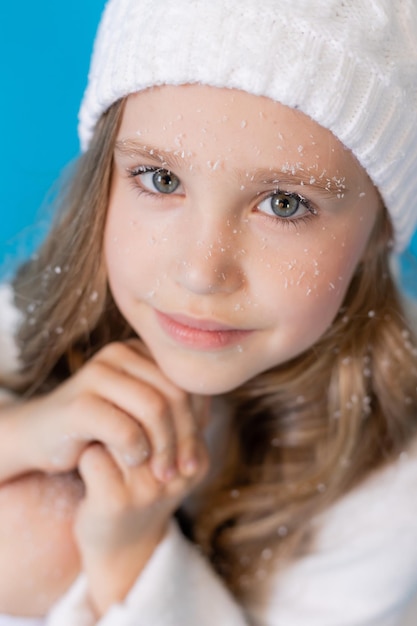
x=307 y=269
x=332 y=259
x=122 y=252
x=135 y=258
x=306 y=286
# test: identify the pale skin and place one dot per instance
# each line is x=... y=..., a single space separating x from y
x=134 y=438
x=249 y=289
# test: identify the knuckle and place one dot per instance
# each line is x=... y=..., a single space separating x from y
x=155 y=406
x=179 y=397
x=128 y=434
x=112 y=351
x=166 y=451
x=83 y=404
x=95 y=371
x=87 y=457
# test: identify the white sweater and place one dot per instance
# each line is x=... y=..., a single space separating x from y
x=362 y=572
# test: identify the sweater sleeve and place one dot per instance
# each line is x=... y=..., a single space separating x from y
x=177 y=587
x=362 y=568
x=10 y=320
x=362 y=571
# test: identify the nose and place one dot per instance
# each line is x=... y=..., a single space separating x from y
x=211 y=263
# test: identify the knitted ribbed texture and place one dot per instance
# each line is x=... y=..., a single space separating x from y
x=351 y=65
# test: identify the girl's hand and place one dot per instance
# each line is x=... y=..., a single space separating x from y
x=120 y=399
x=122 y=519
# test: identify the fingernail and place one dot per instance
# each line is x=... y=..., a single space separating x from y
x=162 y=473
x=169 y=474
x=189 y=467
x=136 y=458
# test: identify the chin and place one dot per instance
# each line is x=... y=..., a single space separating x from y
x=213 y=385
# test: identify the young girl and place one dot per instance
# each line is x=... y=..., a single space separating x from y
x=210 y=338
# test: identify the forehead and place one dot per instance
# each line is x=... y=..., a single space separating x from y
x=230 y=126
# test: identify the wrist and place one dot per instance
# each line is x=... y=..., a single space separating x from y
x=110 y=577
x=18 y=445
x=28 y=431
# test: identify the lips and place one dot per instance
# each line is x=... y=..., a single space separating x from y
x=199 y=324
x=199 y=333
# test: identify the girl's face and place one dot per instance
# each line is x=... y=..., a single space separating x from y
x=234 y=227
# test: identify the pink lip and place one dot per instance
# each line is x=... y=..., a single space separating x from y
x=199 y=333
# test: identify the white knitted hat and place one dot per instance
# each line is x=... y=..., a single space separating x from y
x=351 y=65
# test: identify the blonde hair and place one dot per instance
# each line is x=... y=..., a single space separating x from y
x=63 y=289
x=309 y=430
x=302 y=434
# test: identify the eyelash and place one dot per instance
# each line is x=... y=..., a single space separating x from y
x=290 y=222
x=275 y=220
x=134 y=174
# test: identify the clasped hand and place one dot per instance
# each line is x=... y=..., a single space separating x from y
x=136 y=441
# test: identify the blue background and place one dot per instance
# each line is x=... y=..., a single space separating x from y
x=44 y=56
x=45 y=49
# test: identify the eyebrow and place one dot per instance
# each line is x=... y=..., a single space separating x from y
x=288 y=174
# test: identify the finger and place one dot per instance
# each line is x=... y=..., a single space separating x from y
x=102 y=477
x=143 y=403
x=201 y=406
x=113 y=487
x=190 y=413
x=164 y=409
x=181 y=486
x=190 y=421
x=99 y=420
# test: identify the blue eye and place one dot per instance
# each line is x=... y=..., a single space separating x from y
x=159 y=180
x=284 y=205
